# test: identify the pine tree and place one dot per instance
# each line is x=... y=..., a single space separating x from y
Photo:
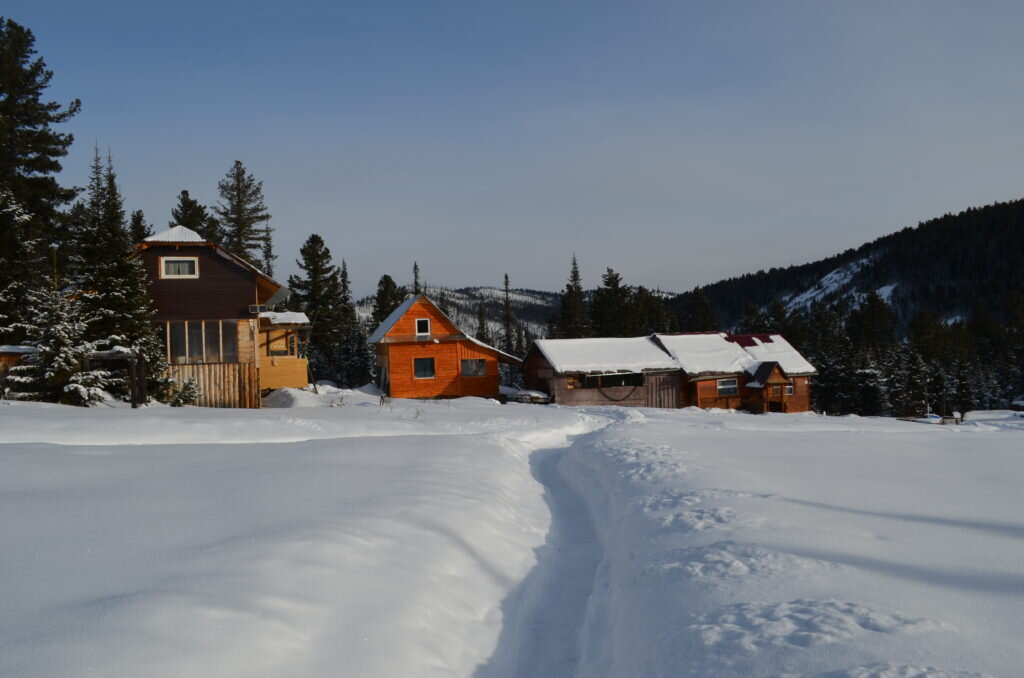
x=57 y=325
x=190 y=214
x=571 y=322
x=138 y=228
x=30 y=153
x=389 y=297
x=242 y=213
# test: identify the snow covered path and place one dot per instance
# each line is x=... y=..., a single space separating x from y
x=474 y=540
x=543 y=617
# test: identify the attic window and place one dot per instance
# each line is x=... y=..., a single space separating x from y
x=728 y=387
x=422 y=327
x=179 y=267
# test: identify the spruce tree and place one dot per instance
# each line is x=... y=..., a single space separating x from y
x=112 y=279
x=268 y=257
x=318 y=294
x=356 y=358
x=138 y=228
x=571 y=322
x=610 y=312
x=482 y=332
x=700 y=317
x=56 y=326
x=242 y=213
x=508 y=323
x=193 y=216
x=389 y=297
x=30 y=153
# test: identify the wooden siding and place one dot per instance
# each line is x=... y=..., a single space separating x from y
x=221 y=384
x=283 y=372
x=659 y=390
x=223 y=289
x=448 y=381
x=405 y=328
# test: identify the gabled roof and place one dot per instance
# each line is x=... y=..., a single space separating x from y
x=176 y=234
x=611 y=354
x=774 y=348
x=706 y=353
x=403 y=308
x=275 y=291
x=762 y=375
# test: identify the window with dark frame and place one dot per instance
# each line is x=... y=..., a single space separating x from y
x=728 y=387
x=475 y=367
x=610 y=380
x=423 y=368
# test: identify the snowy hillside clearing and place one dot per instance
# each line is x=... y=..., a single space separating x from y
x=467 y=538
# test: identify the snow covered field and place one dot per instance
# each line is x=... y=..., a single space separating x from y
x=467 y=538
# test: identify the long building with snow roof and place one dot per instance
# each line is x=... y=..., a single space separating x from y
x=760 y=373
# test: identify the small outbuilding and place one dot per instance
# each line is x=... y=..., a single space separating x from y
x=421 y=353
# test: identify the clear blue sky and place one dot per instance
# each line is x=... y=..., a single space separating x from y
x=676 y=142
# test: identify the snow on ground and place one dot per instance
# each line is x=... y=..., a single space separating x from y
x=796 y=545
x=326 y=535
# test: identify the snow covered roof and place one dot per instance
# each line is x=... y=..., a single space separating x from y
x=634 y=354
x=176 y=234
x=773 y=348
x=390 y=321
x=15 y=348
x=707 y=353
x=285 y=317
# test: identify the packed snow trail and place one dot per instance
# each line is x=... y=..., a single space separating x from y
x=543 y=616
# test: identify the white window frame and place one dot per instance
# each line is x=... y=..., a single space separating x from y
x=163 y=269
x=422 y=334
x=727 y=389
x=789 y=389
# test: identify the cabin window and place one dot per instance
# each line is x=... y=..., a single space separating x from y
x=422 y=327
x=282 y=342
x=423 y=368
x=179 y=267
x=728 y=387
x=201 y=341
x=474 y=368
x=789 y=389
x=607 y=380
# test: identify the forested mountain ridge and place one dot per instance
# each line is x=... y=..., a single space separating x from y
x=948 y=266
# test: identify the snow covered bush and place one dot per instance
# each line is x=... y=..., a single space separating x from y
x=188 y=394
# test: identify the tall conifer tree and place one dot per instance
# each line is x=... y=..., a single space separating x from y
x=242 y=213
x=572 y=313
x=30 y=153
x=194 y=216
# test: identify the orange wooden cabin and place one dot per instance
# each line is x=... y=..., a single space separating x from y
x=421 y=353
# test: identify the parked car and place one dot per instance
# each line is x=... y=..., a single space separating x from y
x=527 y=396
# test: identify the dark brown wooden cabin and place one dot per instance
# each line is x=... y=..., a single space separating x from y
x=628 y=371
x=212 y=308
x=421 y=353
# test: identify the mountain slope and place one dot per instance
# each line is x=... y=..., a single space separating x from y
x=947 y=265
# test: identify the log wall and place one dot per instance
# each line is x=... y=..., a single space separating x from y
x=221 y=384
x=448 y=381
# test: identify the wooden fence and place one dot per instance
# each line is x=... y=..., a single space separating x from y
x=221 y=384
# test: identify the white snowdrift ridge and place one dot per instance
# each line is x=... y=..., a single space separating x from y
x=466 y=538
